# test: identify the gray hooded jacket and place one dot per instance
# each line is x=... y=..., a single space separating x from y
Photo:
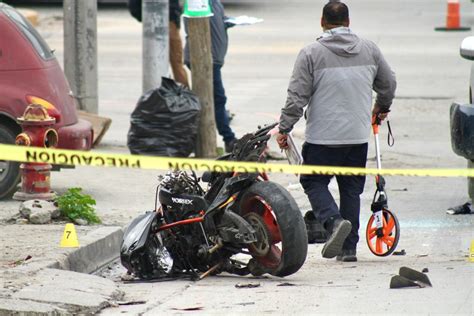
x=335 y=77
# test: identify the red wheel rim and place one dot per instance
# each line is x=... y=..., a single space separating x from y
x=385 y=243
x=258 y=206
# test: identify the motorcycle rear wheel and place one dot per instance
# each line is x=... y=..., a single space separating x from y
x=282 y=242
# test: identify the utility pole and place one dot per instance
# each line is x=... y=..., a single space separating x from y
x=155 y=20
x=80 y=52
x=199 y=37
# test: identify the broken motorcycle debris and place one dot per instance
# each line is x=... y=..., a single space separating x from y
x=196 y=232
x=408 y=277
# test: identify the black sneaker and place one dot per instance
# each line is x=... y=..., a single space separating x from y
x=316 y=232
x=229 y=146
x=340 y=230
x=347 y=255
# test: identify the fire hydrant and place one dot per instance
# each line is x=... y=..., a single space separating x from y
x=37 y=132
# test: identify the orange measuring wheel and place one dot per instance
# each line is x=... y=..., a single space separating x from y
x=382 y=233
x=383 y=229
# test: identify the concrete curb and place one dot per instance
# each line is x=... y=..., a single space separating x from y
x=100 y=247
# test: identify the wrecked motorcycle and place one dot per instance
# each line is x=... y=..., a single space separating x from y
x=241 y=224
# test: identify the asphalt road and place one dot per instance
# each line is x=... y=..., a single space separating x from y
x=431 y=75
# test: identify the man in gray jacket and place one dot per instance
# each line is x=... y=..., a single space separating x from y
x=334 y=77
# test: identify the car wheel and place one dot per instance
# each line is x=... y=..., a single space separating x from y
x=9 y=170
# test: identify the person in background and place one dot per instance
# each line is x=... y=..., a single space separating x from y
x=176 y=45
x=334 y=77
x=219 y=43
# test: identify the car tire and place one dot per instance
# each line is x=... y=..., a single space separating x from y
x=9 y=170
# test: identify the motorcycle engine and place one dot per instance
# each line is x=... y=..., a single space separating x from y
x=179 y=182
x=184 y=242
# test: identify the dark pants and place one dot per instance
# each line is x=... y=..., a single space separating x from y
x=350 y=187
x=220 y=100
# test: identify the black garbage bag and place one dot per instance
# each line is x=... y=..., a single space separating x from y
x=165 y=121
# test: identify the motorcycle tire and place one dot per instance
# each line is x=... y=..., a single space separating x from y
x=282 y=243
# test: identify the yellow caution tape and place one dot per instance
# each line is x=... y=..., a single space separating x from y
x=88 y=158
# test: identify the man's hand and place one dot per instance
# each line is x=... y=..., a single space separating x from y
x=377 y=111
x=282 y=140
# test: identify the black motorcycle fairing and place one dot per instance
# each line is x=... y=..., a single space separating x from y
x=231 y=186
x=138 y=238
x=215 y=185
x=137 y=232
x=182 y=205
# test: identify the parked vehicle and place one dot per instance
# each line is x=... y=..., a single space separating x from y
x=196 y=232
x=30 y=73
x=462 y=118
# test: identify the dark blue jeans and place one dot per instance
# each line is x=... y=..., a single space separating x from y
x=350 y=187
x=220 y=100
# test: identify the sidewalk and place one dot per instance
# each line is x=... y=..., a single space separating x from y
x=44 y=282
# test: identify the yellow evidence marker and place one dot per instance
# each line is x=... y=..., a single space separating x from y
x=69 y=239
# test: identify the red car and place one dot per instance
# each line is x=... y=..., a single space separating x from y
x=30 y=73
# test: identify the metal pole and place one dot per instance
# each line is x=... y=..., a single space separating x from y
x=377 y=152
x=155 y=20
x=80 y=52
